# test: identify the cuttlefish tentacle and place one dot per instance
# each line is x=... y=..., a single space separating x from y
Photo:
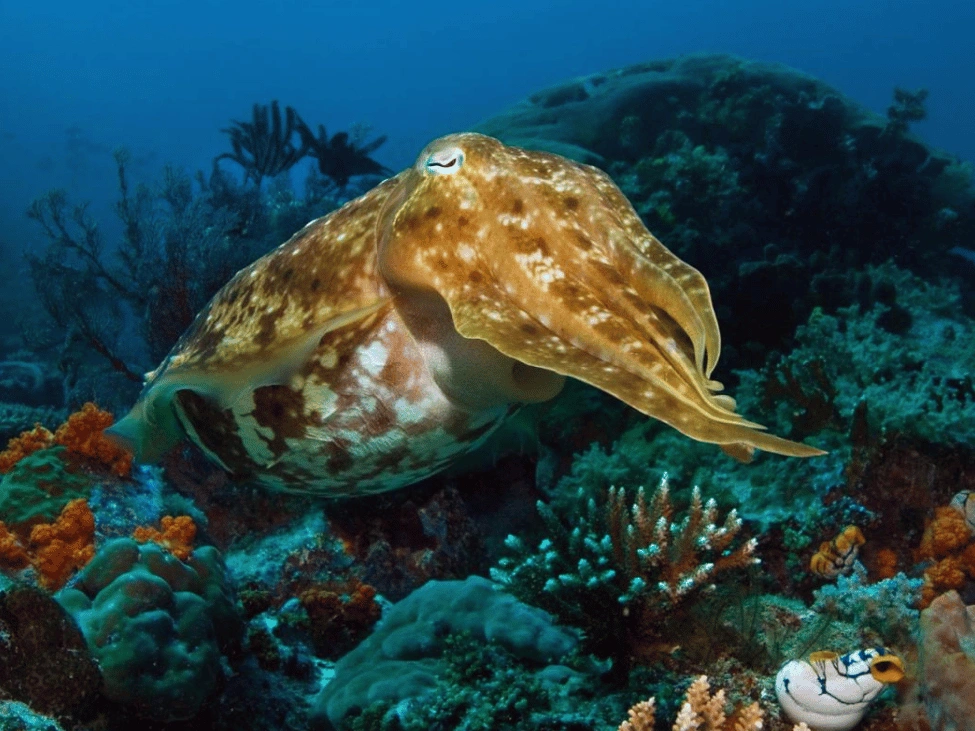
x=550 y=265
x=694 y=311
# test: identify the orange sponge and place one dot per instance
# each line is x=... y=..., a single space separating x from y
x=176 y=536
x=55 y=550
x=26 y=444
x=83 y=433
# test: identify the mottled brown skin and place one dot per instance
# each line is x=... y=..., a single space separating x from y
x=389 y=337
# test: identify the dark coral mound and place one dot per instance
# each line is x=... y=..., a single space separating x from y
x=769 y=181
x=44 y=660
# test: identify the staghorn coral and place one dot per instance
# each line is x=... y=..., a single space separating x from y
x=625 y=570
x=701 y=710
x=176 y=535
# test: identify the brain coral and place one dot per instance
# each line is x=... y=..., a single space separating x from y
x=156 y=625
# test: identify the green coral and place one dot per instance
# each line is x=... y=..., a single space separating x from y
x=623 y=571
x=887 y=608
x=156 y=625
x=39 y=486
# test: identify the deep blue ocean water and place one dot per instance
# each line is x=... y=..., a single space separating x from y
x=163 y=77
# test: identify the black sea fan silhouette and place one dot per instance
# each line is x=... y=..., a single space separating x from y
x=263 y=146
x=343 y=155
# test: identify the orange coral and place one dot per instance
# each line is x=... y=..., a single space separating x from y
x=945 y=534
x=340 y=615
x=12 y=554
x=55 y=550
x=943 y=576
x=26 y=444
x=835 y=557
x=65 y=545
x=84 y=433
x=884 y=564
x=177 y=535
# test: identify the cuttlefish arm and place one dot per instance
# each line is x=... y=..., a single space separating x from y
x=265 y=324
x=546 y=262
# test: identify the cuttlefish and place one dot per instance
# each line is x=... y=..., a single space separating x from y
x=393 y=335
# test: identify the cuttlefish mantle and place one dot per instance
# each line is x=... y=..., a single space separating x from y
x=393 y=335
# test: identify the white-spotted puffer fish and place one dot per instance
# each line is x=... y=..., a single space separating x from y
x=391 y=336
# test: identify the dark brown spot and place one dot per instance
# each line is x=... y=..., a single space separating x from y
x=217 y=431
x=432 y=212
x=517 y=206
x=583 y=241
x=279 y=409
x=315 y=284
x=571 y=202
x=268 y=323
x=462 y=221
x=528 y=328
x=475 y=277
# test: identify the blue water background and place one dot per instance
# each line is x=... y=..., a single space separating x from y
x=163 y=77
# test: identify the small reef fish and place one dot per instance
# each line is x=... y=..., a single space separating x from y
x=389 y=337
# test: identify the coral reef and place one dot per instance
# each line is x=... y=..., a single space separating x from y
x=700 y=710
x=884 y=611
x=632 y=562
x=175 y=535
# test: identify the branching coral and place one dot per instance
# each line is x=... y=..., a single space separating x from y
x=701 y=710
x=625 y=569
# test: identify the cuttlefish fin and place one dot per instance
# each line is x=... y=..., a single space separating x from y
x=694 y=412
x=152 y=427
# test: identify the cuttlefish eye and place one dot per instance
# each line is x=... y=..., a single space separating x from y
x=444 y=162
